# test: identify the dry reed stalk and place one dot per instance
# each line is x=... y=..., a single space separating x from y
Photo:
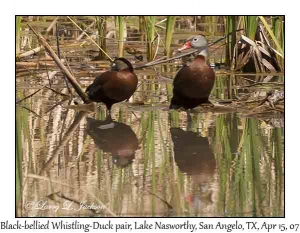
x=38 y=49
x=63 y=68
x=89 y=37
x=34 y=64
x=83 y=33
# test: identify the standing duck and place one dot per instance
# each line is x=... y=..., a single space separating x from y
x=115 y=85
x=193 y=83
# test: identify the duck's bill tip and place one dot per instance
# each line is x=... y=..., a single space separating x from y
x=187 y=45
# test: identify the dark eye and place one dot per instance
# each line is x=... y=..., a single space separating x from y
x=195 y=39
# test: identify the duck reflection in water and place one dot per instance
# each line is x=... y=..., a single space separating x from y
x=114 y=137
x=194 y=157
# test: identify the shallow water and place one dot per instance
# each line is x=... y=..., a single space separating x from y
x=151 y=161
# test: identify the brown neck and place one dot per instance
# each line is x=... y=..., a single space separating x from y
x=200 y=58
x=199 y=61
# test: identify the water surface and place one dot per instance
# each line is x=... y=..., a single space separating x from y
x=151 y=161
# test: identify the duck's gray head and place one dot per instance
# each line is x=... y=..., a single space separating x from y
x=120 y=64
x=197 y=42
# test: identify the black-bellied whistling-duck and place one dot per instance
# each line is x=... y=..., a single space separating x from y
x=193 y=83
x=114 y=86
x=114 y=137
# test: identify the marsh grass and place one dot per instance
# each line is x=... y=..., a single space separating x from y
x=101 y=26
x=230 y=27
x=120 y=31
x=241 y=179
x=249 y=174
x=169 y=33
x=250 y=26
x=278 y=29
x=149 y=27
x=150 y=30
x=271 y=33
x=18 y=32
x=246 y=166
x=23 y=140
x=19 y=157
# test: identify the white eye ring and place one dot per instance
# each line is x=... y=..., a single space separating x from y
x=195 y=39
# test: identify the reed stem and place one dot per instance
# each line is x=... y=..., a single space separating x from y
x=18 y=30
x=121 y=26
x=169 y=34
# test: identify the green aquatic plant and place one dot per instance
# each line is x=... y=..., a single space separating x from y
x=149 y=27
x=169 y=33
x=230 y=28
x=22 y=140
x=19 y=154
x=120 y=34
x=250 y=26
x=18 y=31
x=101 y=26
x=271 y=33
